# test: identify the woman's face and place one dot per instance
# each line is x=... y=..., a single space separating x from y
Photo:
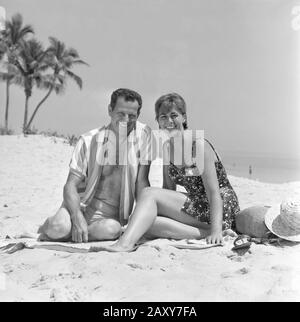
x=170 y=120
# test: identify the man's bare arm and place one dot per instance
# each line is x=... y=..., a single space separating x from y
x=72 y=203
x=71 y=196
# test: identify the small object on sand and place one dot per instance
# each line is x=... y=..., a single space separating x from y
x=195 y=245
x=242 y=242
x=5 y=205
x=229 y=233
x=243 y=271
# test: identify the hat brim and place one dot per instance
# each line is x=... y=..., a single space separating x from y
x=275 y=224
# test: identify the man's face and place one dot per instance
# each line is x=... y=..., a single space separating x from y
x=124 y=115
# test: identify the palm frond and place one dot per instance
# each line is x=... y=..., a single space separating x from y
x=19 y=80
x=17 y=20
x=76 y=78
x=2 y=50
x=71 y=52
x=56 y=48
x=12 y=69
x=4 y=76
x=25 y=31
x=44 y=67
x=60 y=88
x=45 y=84
x=15 y=29
x=32 y=54
x=61 y=78
x=53 y=41
x=79 y=62
x=43 y=81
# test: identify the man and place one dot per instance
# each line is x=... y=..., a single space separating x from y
x=110 y=167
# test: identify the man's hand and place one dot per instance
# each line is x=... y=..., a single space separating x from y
x=215 y=238
x=79 y=228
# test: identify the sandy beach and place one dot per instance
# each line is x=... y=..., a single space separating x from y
x=32 y=174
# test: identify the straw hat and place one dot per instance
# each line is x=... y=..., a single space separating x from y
x=284 y=220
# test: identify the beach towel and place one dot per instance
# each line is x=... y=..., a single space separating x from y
x=11 y=246
x=89 y=156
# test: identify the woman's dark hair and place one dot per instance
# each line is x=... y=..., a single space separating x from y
x=171 y=100
x=128 y=95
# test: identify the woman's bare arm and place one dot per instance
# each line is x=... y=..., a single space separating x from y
x=212 y=189
x=167 y=182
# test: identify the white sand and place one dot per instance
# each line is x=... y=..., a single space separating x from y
x=33 y=171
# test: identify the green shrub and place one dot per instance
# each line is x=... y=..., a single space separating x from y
x=32 y=131
x=72 y=139
x=69 y=139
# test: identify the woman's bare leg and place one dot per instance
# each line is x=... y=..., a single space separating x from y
x=59 y=228
x=167 y=203
x=164 y=227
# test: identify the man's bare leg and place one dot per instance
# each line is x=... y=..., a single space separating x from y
x=59 y=228
x=104 y=229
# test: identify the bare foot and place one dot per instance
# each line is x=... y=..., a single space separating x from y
x=114 y=248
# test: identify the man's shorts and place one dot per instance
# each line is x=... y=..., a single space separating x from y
x=99 y=210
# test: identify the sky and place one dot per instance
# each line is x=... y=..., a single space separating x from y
x=235 y=62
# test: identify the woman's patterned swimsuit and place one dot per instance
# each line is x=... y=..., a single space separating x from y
x=197 y=204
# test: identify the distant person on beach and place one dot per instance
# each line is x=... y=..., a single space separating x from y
x=205 y=211
x=104 y=176
x=250 y=171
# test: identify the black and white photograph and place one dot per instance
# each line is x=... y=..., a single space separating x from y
x=150 y=152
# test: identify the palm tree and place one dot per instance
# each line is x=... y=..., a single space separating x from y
x=11 y=38
x=61 y=60
x=8 y=77
x=31 y=64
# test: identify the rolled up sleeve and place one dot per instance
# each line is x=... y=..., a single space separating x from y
x=78 y=163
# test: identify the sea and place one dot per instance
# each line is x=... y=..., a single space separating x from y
x=262 y=168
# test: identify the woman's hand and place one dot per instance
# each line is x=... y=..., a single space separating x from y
x=215 y=238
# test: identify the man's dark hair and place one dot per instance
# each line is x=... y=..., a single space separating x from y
x=128 y=95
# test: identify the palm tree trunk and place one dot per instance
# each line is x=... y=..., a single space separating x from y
x=38 y=106
x=7 y=105
x=25 y=114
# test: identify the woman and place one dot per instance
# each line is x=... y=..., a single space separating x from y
x=208 y=207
